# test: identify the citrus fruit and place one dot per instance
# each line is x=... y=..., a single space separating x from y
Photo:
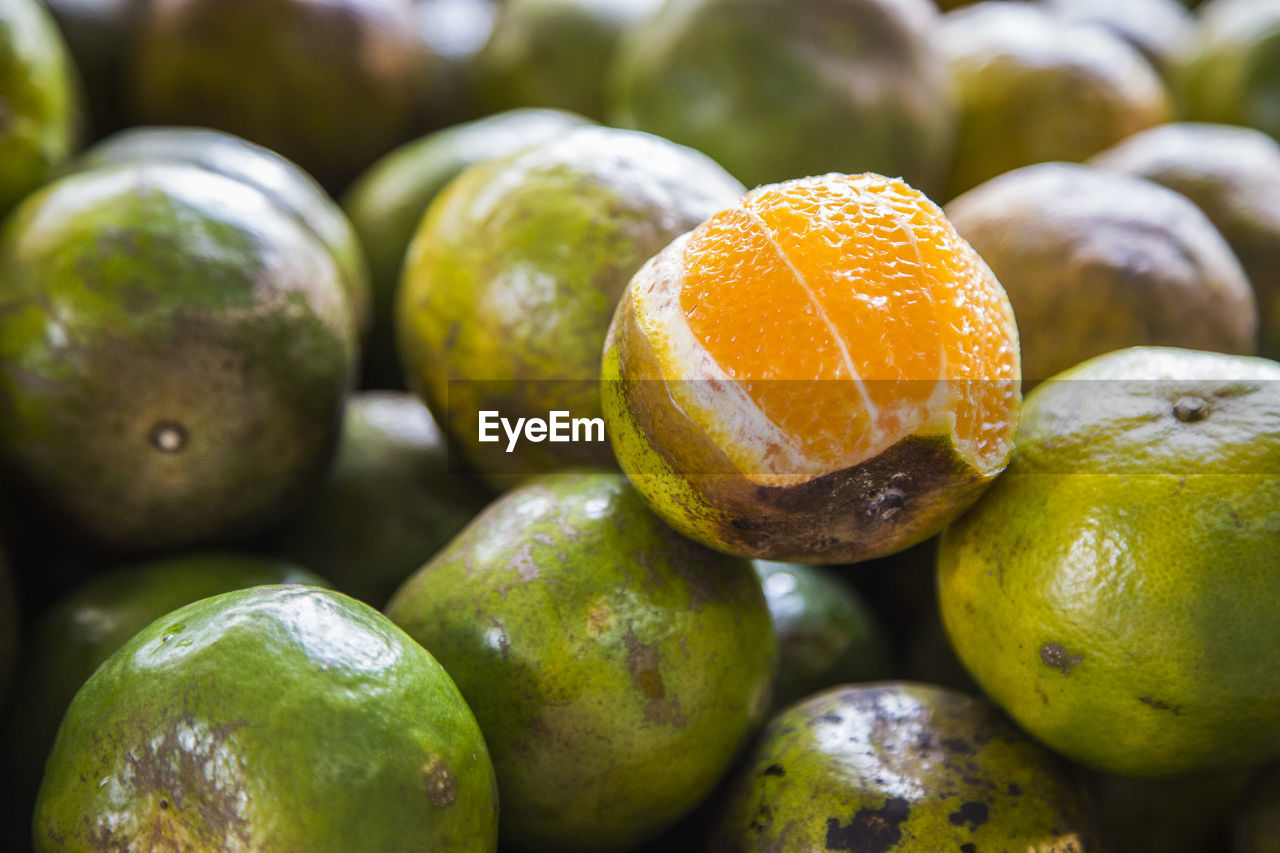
x=40 y=97
x=615 y=667
x=1233 y=175
x=68 y=641
x=1160 y=29
x=827 y=635
x=175 y=351
x=825 y=372
x=388 y=503
x=1232 y=74
x=1094 y=261
x=291 y=189
x=554 y=53
x=901 y=767
x=270 y=718
x=1256 y=826
x=513 y=275
x=779 y=89
x=331 y=86
x=1034 y=86
x=388 y=200
x=1115 y=591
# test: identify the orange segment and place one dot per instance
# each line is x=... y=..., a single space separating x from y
x=839 y=303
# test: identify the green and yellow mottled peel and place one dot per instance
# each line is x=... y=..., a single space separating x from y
x=274 y=719
x=387 y=201
x=39 y=100
x=514 y=273
x=175 y=352
x=68 y=641
x=614 y=666
x=284 y=182
x=1116 y=588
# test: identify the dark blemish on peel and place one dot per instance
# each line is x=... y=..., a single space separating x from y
x=1159 y=705
x=1056 y=657
x=871 y=830
x=974 y=814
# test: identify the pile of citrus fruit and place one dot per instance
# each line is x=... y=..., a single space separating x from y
x=640 y=425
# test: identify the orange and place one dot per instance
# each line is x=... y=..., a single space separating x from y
x=825 y=372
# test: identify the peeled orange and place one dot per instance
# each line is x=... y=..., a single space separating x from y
x=825 y=372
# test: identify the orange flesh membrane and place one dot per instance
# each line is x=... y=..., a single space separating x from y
x=839 y=303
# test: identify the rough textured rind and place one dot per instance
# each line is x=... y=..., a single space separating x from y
x=273 y=719
x=513 y=276
x=1116 y=588
x=68 y=641
x=174 y=354
x=347 y=81
x=614 y=666
x=779 y=89
x=1034 y=86
x=285 y=183
x=1094 y=261
x=387 y=201
x=900 y=767
x=39 y=124
x=1233 y=175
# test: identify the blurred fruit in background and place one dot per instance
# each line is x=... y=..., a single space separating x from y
x=331 y=86
x=1115 y=589
x=390 y=501
x=1035 y=86
x=40 y=100
x=614 y=666
x=1256 y=826
x=99 y=36
x=554 y=53
x=67 y=642
x=827 y=635
x=901 y=766
x=288 y=186
x=453 y=32
x=513 y=275
x=1094 y=261
x=885 y=423
x=1232 y=74
x=782 y=89
x=1233 y=175
x=387 y=202
x=1160 y=29
x=1175 y=816
x=286 y=717
x=175 y=351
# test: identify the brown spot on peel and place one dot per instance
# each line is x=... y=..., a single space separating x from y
x=1056 y=657
x=642 y=662
x=442 y=787
x=871 y=830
